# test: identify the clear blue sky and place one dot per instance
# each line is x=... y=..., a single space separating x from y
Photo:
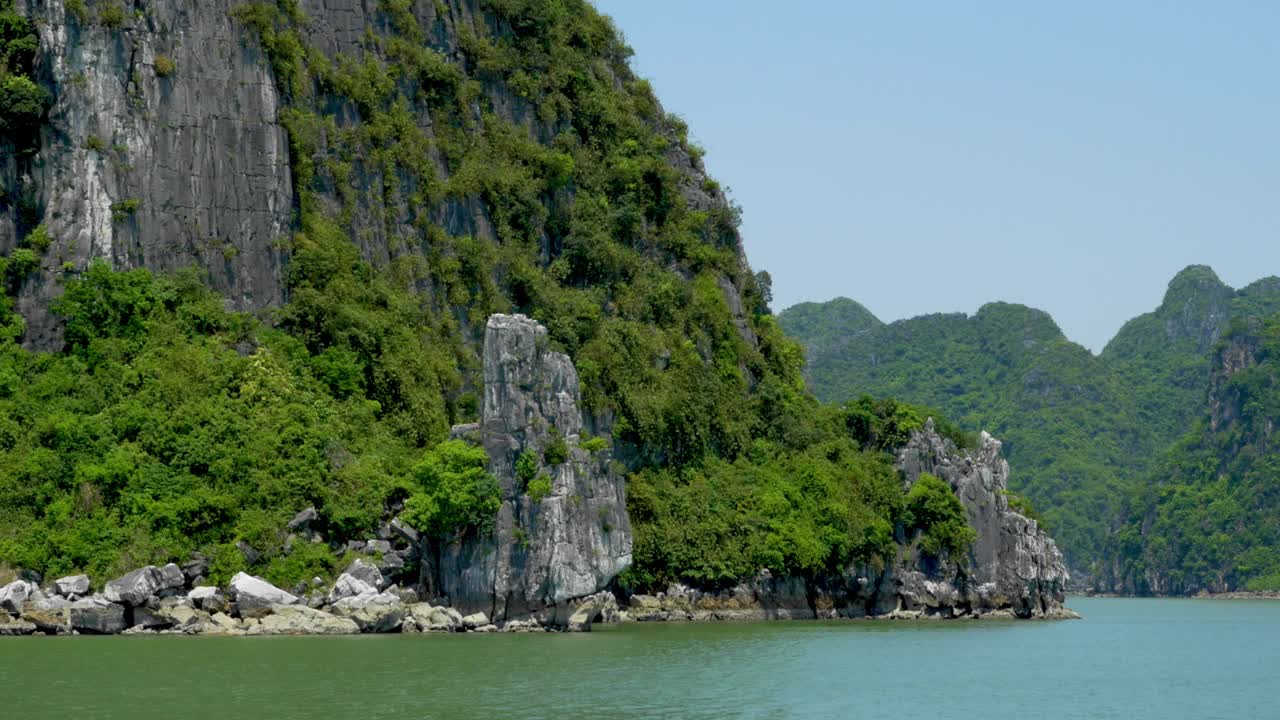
x=932 y=156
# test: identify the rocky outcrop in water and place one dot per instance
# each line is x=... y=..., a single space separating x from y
x=1013 y=568
x=545 y=552
x=1013 y=564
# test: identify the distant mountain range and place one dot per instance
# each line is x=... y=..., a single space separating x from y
x=1083 y=432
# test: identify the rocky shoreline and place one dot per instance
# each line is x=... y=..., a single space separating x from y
x=164 y=601
x=1239 y=595
x=1202 y=595
x=551 y=563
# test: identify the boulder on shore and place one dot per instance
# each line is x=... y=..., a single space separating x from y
x=136 y=587
x=373 y=613
x=196 y=567
x=72 y=585
x=13 y=597
x=475 y=620
x=599 y=608
x=182 y=617
x=17 y=627
x=349 y=585
x=436 y=619
x=51 y=622
x=172 y=578
x=255 y=597
x=366 y=573
x=96 y=615
x=199 y=595
x=302 y=620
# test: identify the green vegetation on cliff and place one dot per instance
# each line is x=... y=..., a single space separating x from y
x=1067 y=426
x=817 y=492
x=470 y=158
x=1209 y=517
x=1081 y=432
x=170 y=425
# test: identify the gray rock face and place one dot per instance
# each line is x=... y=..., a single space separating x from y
x=348 y=586
x=136 y=587
x=14 y=596
x=365 y=573
x=97 y=615
x=255 y=597
x=148 y=168
x=570 y=544
x=1013 y=564
x=72 y=585
x=200 y=152
x=171 y=578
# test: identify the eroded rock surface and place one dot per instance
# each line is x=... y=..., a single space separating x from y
x=544 y=552
x=145 y=168
x=1013 y=564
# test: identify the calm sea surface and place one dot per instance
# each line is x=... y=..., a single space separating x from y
x=1127 y=659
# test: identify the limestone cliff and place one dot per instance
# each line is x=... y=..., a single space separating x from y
x=177 y=138
x=162 y=149
x=1013 y=563
x=544 y=552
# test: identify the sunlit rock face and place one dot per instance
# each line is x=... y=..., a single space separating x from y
x=1013 y=564
x=544 y=552
x=163 y=149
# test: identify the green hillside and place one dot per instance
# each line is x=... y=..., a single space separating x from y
x=1081 y=431
x=1208 y=518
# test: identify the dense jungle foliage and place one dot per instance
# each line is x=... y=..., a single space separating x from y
x=1081 y=432
x=1209 y=516
x=168 y=425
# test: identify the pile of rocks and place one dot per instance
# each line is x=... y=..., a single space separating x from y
x=165 y=600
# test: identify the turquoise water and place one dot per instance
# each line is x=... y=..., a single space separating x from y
x=1127 y=659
